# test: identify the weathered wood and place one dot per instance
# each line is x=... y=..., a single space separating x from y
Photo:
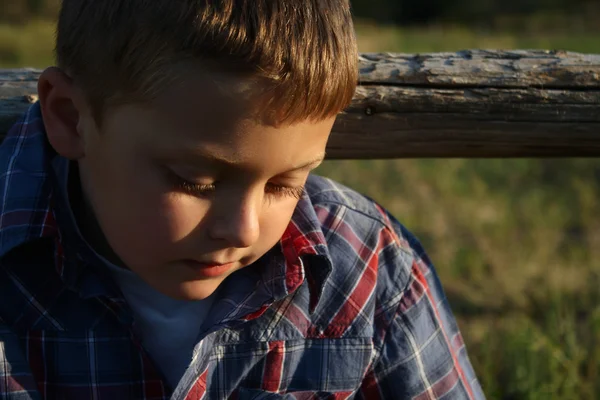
x=481 y=68
x=465 y=104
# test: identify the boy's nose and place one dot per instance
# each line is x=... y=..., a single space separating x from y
x=238 y=225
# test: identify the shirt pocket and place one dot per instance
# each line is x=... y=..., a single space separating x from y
x=312 y=368
x=256 y=394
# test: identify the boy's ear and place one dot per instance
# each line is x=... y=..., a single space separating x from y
x=62 y=108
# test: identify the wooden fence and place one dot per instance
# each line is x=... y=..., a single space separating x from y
x=465 y=104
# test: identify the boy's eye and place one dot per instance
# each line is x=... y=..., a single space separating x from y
x=196 y=189
x=284 y=191
x=182 y=185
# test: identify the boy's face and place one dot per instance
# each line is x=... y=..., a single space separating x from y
x=184 y=184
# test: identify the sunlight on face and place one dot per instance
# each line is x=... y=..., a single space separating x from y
x=176 y=194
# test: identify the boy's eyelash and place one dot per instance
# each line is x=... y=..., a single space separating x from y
x=278 y=190
x=193 y=188
x=204 y=189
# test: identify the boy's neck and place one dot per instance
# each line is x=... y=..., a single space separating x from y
x=85 y=219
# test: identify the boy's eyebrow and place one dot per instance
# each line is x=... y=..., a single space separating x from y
x=217 y=159
x=309 y=165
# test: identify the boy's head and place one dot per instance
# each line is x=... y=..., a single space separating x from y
x=194 y=124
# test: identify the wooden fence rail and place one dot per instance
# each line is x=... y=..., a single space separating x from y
x=466 y=104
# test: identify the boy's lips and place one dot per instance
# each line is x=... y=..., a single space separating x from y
x=209 y=269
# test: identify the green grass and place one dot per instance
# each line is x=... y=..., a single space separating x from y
x=27 y=46
x=516 y=242
x=374 y=38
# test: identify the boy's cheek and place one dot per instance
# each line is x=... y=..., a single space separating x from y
x=274 y=223
x=138 y=227
x=156 y=226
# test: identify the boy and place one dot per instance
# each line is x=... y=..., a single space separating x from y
x=160 y=235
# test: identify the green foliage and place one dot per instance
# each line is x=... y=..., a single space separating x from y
x=21 y=11
x=468 y=12
x=27 y=45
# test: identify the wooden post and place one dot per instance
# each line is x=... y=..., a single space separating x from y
x=466 y=104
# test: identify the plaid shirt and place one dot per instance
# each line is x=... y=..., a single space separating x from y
x=346 y=306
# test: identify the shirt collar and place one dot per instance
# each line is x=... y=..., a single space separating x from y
x=25 y=214
x=34 y=196
x=33 y=201
x=305 y=253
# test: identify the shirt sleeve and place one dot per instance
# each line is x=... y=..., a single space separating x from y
x=422 y=355
x=16 y=379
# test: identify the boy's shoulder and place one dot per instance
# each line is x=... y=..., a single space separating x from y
x=336 y=203
x=325 y=191
x=361 y=234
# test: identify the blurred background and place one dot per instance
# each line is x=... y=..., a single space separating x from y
x=516 y=242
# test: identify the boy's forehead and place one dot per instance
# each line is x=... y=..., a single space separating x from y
x=219 y=103
x=202 y=100
x=233 y=142
x=216 y=118
x=199 y=97
x=190 y=127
